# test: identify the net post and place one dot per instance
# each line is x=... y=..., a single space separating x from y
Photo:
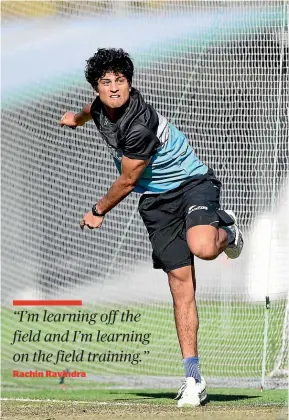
x=266 y=327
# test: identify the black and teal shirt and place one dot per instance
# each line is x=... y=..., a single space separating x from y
x=142 y=133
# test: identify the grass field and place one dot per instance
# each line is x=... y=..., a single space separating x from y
x=89 y=402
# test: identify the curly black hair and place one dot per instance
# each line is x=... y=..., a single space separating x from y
x=108 y=60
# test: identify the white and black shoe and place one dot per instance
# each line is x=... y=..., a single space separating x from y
x=191 y=393
x=234 y=249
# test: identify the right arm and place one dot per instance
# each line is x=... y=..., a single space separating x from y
x=74 y=120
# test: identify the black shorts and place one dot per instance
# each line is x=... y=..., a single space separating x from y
x=169 y=215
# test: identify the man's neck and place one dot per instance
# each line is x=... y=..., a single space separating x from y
x=115 y=114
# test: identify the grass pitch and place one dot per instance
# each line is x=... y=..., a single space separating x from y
x=88 y=404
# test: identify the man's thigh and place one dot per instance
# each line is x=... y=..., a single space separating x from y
x=163 y=218
x=201 y=207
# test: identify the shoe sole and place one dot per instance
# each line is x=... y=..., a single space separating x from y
x=235 y=251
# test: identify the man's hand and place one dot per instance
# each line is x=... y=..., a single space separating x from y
x=91 y=221
x=72 y=120
x=68 y=119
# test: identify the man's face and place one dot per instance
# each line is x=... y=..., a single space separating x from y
x=113 y=90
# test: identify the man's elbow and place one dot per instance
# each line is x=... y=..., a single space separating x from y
x=129 y=183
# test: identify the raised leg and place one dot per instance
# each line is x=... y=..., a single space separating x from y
x=207 y=242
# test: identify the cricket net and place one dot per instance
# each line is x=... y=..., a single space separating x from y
x=219 y=71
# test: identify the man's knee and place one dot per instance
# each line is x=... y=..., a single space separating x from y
x=182 y=284
x=205 y=251
x=202 y=241
x=182 y=276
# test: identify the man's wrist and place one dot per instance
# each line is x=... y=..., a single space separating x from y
x=78 y=118
x=95 y=211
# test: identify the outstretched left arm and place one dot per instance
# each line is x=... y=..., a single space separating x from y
x=131 y=170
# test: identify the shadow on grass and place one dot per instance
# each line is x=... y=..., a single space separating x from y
x=171 y=395
x=224 y=397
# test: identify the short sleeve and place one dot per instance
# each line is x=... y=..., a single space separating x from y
x=140 y=143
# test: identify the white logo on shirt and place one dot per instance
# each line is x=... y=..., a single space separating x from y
x=194 y=208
